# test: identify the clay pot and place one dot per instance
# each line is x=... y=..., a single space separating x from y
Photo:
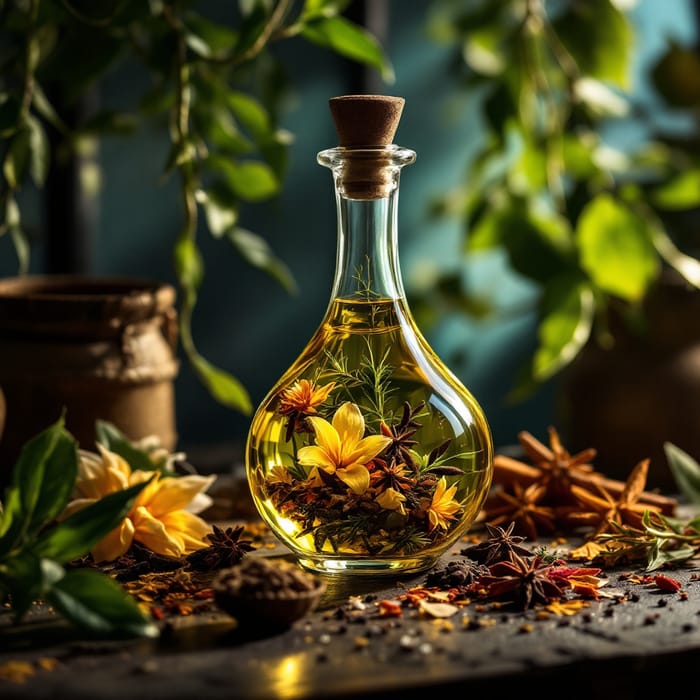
x=98 y=348
x=626 y=401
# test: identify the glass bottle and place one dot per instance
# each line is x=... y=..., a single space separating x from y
x=368 y=455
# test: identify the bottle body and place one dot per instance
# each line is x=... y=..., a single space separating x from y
x=368 y=455
x=429 y=476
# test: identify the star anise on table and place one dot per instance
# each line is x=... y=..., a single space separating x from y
x=523 y=582
x=599 y=508
x=554 y=466
x=499 y=545
x=524 y=508
x=554 y=482
x=226 y=549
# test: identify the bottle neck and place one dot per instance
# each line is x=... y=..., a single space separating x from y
x=367 y=261
x=367 y=193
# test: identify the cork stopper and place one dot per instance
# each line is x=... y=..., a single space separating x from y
x=366 y=125
x=366 y=120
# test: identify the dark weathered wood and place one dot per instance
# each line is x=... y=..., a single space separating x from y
x=611 y=649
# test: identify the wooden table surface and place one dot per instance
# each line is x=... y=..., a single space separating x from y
x=619 y=647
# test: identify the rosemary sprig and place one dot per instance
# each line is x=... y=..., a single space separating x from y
x=662 y=540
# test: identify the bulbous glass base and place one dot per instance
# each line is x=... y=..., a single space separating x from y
x=368 y=456
x=398 y=566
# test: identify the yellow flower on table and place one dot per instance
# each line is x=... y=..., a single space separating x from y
x=163 y=515
x=341 y=447
x=443 y=506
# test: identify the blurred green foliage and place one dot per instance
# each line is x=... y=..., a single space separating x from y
x=216 y=87
x=590 y=225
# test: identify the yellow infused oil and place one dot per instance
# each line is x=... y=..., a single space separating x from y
x=368 y=453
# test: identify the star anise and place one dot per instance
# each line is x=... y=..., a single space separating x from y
x=226 y=549
x=600 y=509
x=402 y=434
x=390 y=475
x=524 y=508
x=499 y=545
x=521 y=581
x=556 y=465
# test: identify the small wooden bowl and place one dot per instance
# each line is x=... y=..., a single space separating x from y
x=261 y=593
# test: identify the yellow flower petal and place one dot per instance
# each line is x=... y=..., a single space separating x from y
x=188 y=528
x=391 y=499
x=356 y=476
x=175 y=493
x=314 y=456
x=368 y=448
x=349 y=424
x=115 y=543
x=75 y=505
x=327 y=438
x=151 y=532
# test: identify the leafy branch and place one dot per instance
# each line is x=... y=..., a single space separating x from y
x=587 y=224
x=663 y=540
x=35 y=545
x=217 y=86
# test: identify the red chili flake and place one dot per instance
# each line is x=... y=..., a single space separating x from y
x=390 y=608
x=666 y=583
x=204 y=594
x=572 y=571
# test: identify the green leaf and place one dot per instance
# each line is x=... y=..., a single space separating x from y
x=682 y=192
x=41 y=484
x=252 y=29
x=566 y=315
x=351 y=41
x=225 y=388
x=221 y=216
x=38 y=152
x=21 y=244
x=10 y=110
x=81 y=531
x=252 y=181
x=537 y=248
x=188 y=265
x=687 y=266
x=16 y=161
x=258 y=253
x=600 y=39
x=94 y=601
x=21 y=576
x=44 y=107
x=209 y=39
x=685 y=470
x=251 y=114
x=115 y=441
x=566 y=320
x=616 y=248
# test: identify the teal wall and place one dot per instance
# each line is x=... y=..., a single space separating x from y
x=249 y=325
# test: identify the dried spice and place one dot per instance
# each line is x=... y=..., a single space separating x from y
x=457 y=573
x=520 y=581
x=226 y=549
x=525 y=507
x=558 y=492
x=263 y=592
x=599 y=508
x=499 y=544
